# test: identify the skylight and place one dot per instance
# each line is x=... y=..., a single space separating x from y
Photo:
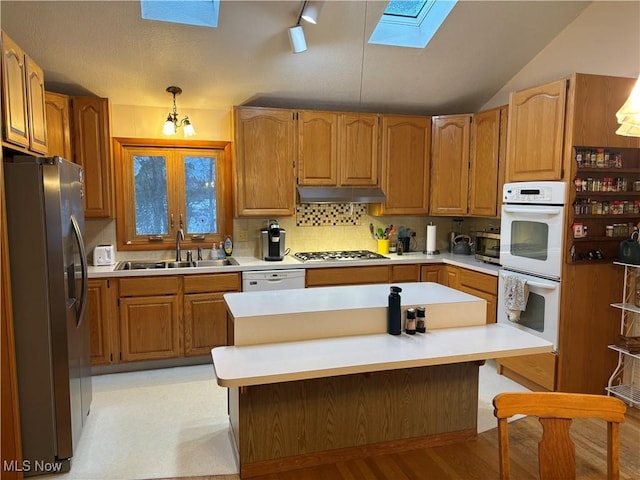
x=190 y=12
x=411 y=23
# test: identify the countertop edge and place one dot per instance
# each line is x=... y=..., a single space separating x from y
x=253 y=264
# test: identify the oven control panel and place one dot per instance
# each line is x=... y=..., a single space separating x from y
x=540 y=193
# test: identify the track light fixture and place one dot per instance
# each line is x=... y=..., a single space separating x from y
x=172 y=124
x=310 y=12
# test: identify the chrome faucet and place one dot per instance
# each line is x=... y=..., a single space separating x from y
x=179 y=236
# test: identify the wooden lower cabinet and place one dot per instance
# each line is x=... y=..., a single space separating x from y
x=151 y=318
x=405 y=273
x=101 y=327
x=150 y=328
x=330 y=276
x=474 y=283
x=532 y=371
x=432 y=273
x=204 y=311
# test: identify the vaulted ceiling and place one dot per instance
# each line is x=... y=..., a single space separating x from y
x=104 y=48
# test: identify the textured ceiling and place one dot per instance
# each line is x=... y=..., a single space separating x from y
x=104 y=48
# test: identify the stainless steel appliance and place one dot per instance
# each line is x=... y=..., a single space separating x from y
x=337 y=255
x=267 y=280
x=272 y=240
x=45 y=224
x=488 y=247
x=531 y=245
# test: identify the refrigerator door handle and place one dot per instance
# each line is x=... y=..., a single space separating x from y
x=83 y=266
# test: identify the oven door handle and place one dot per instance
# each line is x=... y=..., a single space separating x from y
x=546 y=286
x=533 y=210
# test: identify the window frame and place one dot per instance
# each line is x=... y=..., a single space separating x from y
x=124 y=193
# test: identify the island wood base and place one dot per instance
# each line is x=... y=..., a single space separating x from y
x=290 y=425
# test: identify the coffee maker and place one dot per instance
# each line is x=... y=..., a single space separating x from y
x=272 y=239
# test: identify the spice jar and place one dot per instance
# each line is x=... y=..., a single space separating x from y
x=421 y=326
x=410 y=327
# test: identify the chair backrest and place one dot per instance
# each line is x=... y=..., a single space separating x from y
x=555 y=410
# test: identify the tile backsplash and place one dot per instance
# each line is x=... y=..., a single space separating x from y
x=313 y=228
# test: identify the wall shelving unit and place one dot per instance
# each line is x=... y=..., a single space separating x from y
x=624 y=382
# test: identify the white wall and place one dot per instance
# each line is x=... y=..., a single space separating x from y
x=603 y=40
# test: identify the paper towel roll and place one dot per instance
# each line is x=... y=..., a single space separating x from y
x=431 y=238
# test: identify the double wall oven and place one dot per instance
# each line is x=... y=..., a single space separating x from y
x=531 y=246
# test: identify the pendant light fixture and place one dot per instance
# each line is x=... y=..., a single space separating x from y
x=172 y=124
x=629 y=114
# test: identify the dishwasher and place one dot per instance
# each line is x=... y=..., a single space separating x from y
x=266 y=280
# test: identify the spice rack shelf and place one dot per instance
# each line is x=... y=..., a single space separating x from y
x=605 y=201
x=624 y=382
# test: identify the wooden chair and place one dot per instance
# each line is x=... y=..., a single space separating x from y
x=556 y=451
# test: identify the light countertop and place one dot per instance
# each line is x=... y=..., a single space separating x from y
x=238 y=366
x=253 y=263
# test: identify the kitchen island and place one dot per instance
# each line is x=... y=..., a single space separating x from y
x=308 y=397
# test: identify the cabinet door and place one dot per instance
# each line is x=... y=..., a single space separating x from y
x=98 y=315
x=406 y=144
x=359 y=149
x=405 y=273
x=317 y=148
x=264 y=162
x=58 y=125
x=451 y=276
x=14 y=93
x=92 y=147
x=36 y=107
x=150 y=328
x=432 y=273
x=205 y=323
x=450 y=165
x=536 y=133
x=485 y=163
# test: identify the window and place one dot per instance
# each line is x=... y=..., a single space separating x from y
x=165 y=185
x=411 y=23
x=202 y=13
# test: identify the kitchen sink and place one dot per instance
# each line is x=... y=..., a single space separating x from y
x=150 y=265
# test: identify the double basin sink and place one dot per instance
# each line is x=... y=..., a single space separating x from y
x=153 y=265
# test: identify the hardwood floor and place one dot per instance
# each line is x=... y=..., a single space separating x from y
x=478 y=458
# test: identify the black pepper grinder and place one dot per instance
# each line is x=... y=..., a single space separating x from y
x=420 y=323
x=394 y=321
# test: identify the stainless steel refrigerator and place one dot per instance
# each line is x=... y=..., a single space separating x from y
x=45 y=225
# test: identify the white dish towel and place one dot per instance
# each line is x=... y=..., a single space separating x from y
x=516 y=294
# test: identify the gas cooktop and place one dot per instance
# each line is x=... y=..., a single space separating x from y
x=337 y=255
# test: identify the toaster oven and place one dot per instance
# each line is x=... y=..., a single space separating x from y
x=488 y=247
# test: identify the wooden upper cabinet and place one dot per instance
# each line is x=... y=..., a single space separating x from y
x=406 y=143
x=92 y=148
x=58 y=110
x=317 y=148
x=264 y=141
x=536 y=132
x=338 y=149
x=486 y=176
x=23 y=107
x=450 y=164
x=359 y=149
x=596 y=100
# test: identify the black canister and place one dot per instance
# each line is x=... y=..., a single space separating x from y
x=421 y=326
x=394 y=320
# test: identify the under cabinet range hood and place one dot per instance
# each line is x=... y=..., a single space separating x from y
x=340 y=195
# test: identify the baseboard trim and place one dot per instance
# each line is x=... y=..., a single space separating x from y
x=344 y=454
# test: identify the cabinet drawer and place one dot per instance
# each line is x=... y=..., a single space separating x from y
x=317 y=277
x=222 y=282
x=478 y=281
x=405 y=273
x=160 y=285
